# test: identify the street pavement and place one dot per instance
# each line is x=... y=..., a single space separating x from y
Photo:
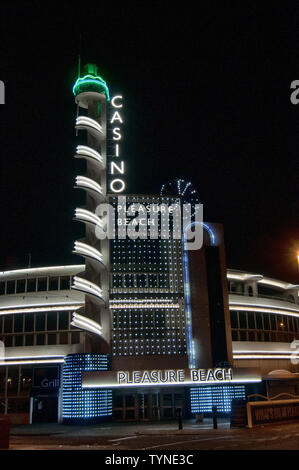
x=155 y=437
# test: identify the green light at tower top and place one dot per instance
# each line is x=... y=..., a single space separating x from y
x=91 y=81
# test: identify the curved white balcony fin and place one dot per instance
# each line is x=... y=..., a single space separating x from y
x=90 y=185
x=90 y=125
x=83 y=215
x=90 y=154
x=84 y=323
x=87 y=287
x=85 y=250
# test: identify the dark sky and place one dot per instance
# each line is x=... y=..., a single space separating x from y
x=207 y=98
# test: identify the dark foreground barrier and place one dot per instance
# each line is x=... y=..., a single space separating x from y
x=4 y=432
x=238 y=417
x=272 y=411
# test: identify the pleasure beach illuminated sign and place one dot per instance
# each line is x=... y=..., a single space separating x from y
x=173 y=376
x=169 y=377
x=116 y=165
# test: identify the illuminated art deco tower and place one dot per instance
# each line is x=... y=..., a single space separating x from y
x=91 y=96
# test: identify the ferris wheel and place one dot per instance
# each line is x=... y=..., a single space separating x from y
x=184 y=189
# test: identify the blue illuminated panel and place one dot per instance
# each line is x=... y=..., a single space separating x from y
x=203 y=398
x=82 y=404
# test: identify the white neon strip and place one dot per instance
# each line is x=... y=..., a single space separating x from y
x=125 y=306
x=87 y=283
x=87 y=216
x=13 y=358
x=263 y=280
x=65 y=306
x=167 y=384
x=86 y=122
x=56 y=361
x=85 y=326
x=87 y=183
x=244 y=276
x=135 y=301
x=84 y=151
x=263 y=356
x=87 y=250
x=86 y=320
x=87 y=286
x=48 y=269
x=265 y=309
x=261 y=351
x=239 y=277
x=89 y=324
x=280 y=284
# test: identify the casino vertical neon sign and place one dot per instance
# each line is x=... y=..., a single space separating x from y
x=116 y=165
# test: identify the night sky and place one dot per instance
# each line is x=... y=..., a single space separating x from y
x=206 y=97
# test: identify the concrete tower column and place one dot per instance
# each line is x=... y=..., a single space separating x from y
x=91 y=96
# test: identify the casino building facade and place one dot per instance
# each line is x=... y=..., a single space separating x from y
x=37 y=308
x=143 y=329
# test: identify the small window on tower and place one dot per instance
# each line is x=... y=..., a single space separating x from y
x=18 y=323
x=51 y=320
x=234 y=319
x=53 y=283
x=8 y=324
x=40 y=322
x=63 y=320
x=10 y=288
x=42 y=284
x=65 y=283
x=31 y=285
x=20 y=286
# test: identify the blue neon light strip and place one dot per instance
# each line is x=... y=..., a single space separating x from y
x=190 y=342
x=211 y=233
x=205 y=226
x=190 y=346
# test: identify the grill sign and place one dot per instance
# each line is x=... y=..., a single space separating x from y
x=46 y=378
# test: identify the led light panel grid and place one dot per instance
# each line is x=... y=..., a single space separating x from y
x=84 y=404
x=203 y=398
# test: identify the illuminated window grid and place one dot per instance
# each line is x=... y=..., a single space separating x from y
x=203 y=398
x=143 y=257
x=147 y=266
x=38 y=284
x=147 y=331
x=78 y=403
x=262 y=326
x=14 y=337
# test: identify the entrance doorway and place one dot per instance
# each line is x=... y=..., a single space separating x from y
x=44 y=409
x=148 y=405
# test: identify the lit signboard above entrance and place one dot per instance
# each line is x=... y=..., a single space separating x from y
x=46 y=378
x=169 y=377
